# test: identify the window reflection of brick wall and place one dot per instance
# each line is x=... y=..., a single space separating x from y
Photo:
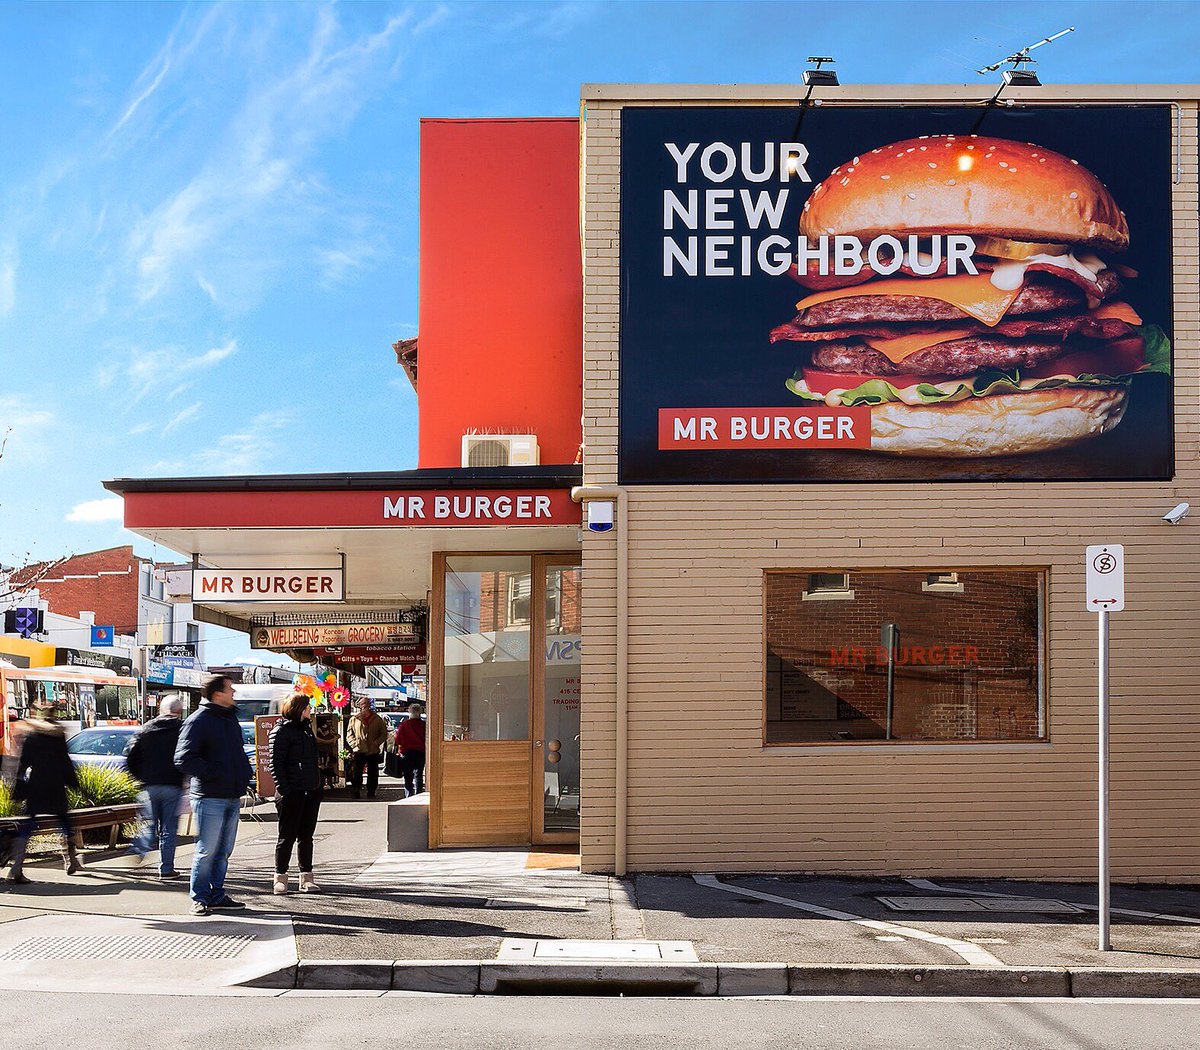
x=966 y=669
x=571 y=581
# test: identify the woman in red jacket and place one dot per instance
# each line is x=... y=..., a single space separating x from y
x=410 y=742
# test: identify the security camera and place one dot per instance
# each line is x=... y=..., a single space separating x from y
x=600 y=516
x=1176 y=514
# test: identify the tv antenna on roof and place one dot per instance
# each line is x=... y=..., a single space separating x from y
x=1017 y=75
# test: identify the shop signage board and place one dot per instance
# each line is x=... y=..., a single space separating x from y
x=268 y=585
x=873 y=293
x=84 y=658
x=372 y=655
x=263 y=724
x=309 y=636
x=408 y=508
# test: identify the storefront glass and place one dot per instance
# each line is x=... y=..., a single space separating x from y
x=488 y=613
x=563 y=589
x=904 y=656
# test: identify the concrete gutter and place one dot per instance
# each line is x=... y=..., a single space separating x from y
x=468 y=977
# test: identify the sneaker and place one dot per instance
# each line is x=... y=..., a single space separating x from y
x=199 y=908
x=169 y=875
x=227 y=903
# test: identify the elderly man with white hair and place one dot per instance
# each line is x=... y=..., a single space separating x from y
x=151 y=760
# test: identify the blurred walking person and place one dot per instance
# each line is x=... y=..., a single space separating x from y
x=366 y=734
x=151 y=760
x=43 y=773
x=410 y=742
x=210 y=751
x=296 y=769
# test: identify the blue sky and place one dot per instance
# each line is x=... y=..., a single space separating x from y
x=208 y=213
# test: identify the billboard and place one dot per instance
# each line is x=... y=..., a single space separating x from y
x=875 y=293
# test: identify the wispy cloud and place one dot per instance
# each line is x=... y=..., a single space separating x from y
x=248 y=449
x=8 y=276
x=236 y=219
x=110 y=508
x=177 y=420
x=165 y=370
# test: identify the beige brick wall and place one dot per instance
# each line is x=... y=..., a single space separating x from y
x=703 y=791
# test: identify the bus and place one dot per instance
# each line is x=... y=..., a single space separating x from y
x=82 y=697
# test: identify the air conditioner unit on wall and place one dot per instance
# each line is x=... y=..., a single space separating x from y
x=500 y=450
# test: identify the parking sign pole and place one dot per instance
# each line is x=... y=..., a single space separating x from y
x=1105 y=941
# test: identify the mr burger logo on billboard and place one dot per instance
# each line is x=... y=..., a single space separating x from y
x=890 y=297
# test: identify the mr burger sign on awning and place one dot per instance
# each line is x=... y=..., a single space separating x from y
x=268 y=585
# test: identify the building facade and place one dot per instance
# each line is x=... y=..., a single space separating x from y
x=839 y=625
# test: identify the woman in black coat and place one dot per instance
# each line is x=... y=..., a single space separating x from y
x=44 y=771
x=295 y=768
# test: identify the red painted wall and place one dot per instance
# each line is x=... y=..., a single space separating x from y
x=501 y=296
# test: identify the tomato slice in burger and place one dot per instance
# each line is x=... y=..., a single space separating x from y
x=1117 y=357
x=821 y=382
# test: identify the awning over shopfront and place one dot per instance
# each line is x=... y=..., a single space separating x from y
x=379 y=529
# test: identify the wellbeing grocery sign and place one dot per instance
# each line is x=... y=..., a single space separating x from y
x=879 y=294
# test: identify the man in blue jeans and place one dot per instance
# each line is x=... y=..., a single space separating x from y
x=151 y=760
x=210 y=751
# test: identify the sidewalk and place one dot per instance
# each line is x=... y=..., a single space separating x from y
x=396 y=920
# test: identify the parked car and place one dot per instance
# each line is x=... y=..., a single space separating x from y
x=248 y=747
x=104 y=746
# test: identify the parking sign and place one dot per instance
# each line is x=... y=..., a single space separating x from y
x=1106 y=577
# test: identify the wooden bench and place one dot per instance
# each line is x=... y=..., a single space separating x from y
x=111 y=817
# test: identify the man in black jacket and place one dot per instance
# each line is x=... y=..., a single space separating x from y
x=210 y=751
x=151 y=759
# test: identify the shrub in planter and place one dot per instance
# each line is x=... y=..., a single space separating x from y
x=102 y=787
x=8 y=808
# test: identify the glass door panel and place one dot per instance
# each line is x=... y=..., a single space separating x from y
x=488 y=620
x=560 y=707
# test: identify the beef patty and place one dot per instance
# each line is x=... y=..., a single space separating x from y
x=959 y=357
x=1041 y=293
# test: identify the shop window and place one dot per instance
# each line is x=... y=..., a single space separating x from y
x=915 y=656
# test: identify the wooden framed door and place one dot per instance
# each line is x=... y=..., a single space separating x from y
x=503 y=630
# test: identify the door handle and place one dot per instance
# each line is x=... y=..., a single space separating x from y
x=537 y=743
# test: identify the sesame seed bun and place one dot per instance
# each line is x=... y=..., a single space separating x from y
x=973 y=184
x=998 y=425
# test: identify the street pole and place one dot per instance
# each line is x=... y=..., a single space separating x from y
x=1105 y=941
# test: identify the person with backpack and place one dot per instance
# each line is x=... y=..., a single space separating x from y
x=151 y=760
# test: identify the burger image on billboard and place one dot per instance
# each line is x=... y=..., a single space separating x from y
x=968 y=289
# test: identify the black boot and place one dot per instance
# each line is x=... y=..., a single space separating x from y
x=17 y=874
x=71 y=859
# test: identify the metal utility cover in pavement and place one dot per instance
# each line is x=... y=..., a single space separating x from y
x=515 y=950
x=980 y=904
x=133 y=946
x=538 y=903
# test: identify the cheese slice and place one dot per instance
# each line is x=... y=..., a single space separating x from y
x=902 y=346
x=1116 y=311
x=975 y=296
